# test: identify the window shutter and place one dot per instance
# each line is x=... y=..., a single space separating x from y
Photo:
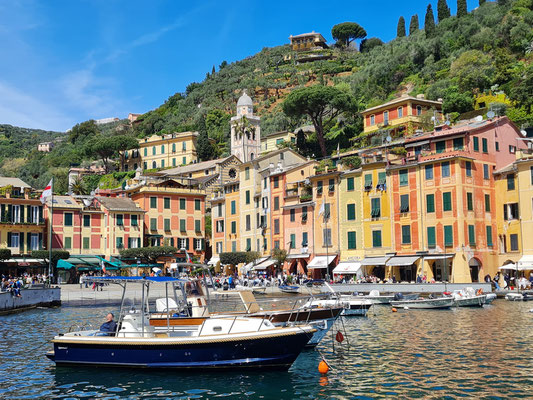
x=40 y=213
x=186 y=243
x=29 y=215
x=21 y=241
x=3 y=211
x=40 y=241
x=9 y=211
x=203 y=244
x=8 y=239
x=28 y=241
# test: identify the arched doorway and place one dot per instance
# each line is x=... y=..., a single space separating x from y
x=475 y=266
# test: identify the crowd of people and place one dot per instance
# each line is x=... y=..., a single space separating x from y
x=14 y=284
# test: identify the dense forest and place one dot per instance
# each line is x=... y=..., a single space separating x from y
x=487 y=52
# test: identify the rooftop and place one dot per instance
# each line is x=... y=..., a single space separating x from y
x=119 y=204
x=195 y=167
x=401 y=100
x=15 y=182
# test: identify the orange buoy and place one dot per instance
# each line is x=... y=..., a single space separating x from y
x=394 y=309
x=323 y=367
x=339 y=337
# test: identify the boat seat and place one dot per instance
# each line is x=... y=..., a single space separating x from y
x=249 y=301
x=161 y=305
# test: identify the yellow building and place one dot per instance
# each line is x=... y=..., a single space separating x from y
x=402 y=116
x=163 y=151
x=307 y=41
x=351 y=215
x=272 y=141
x=376 y=216
x=524 y=182
x=22 y=226
x=233 y=217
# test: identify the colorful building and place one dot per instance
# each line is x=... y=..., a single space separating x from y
x=162 y=151
x=402 y=116
x=22 y=225
x=174 y=215
x=307 y=41
x=272 y=141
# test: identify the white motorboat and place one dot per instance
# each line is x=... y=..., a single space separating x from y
x=490 y=297
x=526 y=296
x=352 y=305
x=254 y=289
x=377 y=298
x=230 y=341
x=437 y=303
x=468 y=298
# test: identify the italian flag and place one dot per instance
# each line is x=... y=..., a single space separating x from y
x=47 y=192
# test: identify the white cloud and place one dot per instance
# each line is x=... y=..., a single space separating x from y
x=20 y=109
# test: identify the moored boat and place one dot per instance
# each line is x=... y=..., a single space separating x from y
x=293 y=289
x=230 y=341
x=525 y=296
x=377 y=298
x=436 y=303
x=468 y=298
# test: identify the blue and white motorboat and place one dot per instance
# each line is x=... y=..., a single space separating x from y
x=215 y=342
x=293 y=289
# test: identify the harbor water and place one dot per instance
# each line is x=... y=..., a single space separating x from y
x=459 y=353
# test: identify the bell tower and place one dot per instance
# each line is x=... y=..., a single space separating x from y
x=245 y=130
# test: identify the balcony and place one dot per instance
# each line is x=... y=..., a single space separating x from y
x=6 y=221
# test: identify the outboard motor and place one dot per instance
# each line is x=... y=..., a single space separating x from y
x=398 y=296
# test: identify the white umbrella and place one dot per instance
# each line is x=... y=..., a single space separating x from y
x=511 y=266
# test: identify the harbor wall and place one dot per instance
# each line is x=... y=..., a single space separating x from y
x=407 y=287
x=33 y=297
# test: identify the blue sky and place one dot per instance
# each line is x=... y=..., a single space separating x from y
x=66 y=61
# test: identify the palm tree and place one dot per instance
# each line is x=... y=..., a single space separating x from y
x=78 y=186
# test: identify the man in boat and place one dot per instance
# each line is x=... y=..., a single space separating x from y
x=109 y=327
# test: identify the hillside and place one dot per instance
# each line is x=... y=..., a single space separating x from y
x=460 y=58
x=484 y=52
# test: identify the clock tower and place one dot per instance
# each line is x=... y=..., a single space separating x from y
x=245 y=130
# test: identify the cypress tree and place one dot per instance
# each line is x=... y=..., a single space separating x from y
x=443 y=11
x=413 y=25
x=481 y=2
x=429 y=21
x=461 y=8
x=400 y=30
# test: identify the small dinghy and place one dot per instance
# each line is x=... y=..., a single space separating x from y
x=290 y=289
x=469 y=298
x=436 y=303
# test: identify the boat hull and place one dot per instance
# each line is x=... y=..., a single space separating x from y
x=475 y=301
x=425 y=303
x=263 y=351
x=356 y=310
x=289 y=289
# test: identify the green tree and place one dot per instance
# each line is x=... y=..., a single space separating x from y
x=151 y=254
x=473 y=69
x=102 y=148
x=5 y=254
x=461 y=8
x=481 y=2
x=456 y=101
x=204 y=148
x=121 y=144
x=443 y=11
x=347 y=32
x=429 y=21
x=80 y=132
x=400 y=29
x=369 y=44
x=414 y=26
x=78 y=186
x=322 y=104
x=521 y=91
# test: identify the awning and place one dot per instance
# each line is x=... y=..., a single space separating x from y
x=264 y=265
x=438 y=256
x=25 y=260
x=402 y=261
x=525 y=263
x=375 y=260
x=321 y=262
x=213 y=261
x=297 y=256
x=511 y=266
x=62 y=264
x=249 y=266
x=347 y=267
